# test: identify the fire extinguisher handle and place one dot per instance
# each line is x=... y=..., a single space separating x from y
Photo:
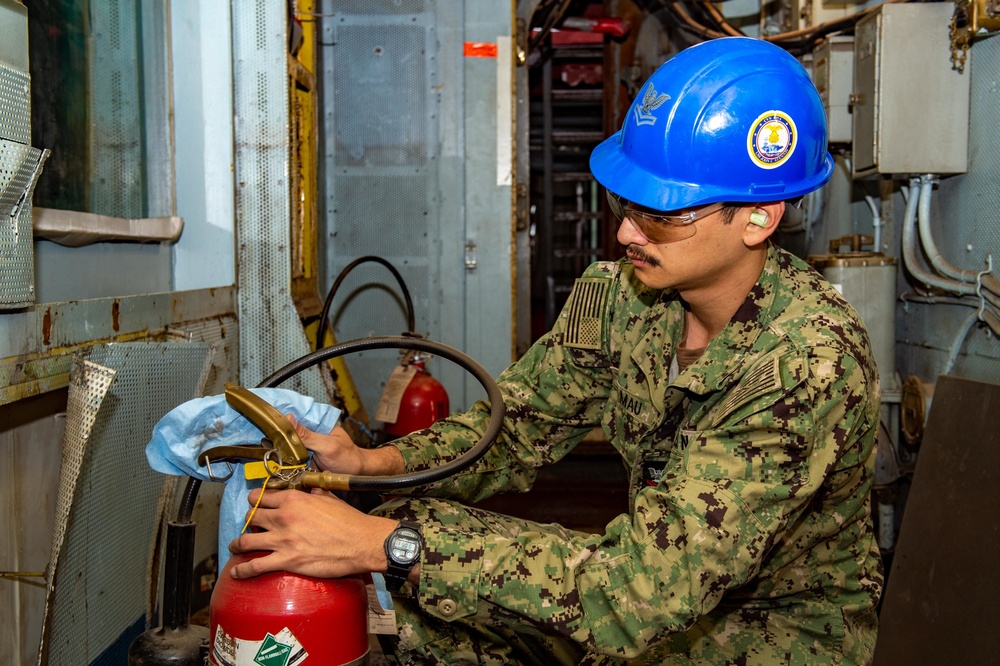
x=274 y=425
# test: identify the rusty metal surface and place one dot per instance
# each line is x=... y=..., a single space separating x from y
x=940 y=605
x=37 y=345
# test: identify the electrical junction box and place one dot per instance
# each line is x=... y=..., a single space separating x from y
x=833 y=74
x=807 y=13
x=910 y=108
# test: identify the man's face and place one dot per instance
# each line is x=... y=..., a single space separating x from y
x=695 y=262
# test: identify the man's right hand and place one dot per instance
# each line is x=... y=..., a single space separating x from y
x=336 y=452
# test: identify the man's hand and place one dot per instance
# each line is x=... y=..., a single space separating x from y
x=336 y=452
x=314 y=534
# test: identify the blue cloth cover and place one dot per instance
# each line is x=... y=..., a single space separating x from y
x=205 y=423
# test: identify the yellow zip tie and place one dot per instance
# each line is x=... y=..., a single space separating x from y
x=261 y=496
x=254 y=509
x=22 y=574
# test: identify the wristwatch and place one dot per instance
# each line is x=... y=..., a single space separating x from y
x=402 y=549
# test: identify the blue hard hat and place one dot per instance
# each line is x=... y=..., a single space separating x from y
x=733 y=119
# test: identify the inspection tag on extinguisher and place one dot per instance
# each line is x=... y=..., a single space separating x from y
x=380 y=620
x=388 y=406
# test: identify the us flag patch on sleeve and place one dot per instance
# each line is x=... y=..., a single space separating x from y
x=585 y=308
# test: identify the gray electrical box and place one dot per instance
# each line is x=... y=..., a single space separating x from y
x=806 y=13
x=833 y=74
x=910 y=108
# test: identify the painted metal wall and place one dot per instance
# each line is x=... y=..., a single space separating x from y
x=418 y=141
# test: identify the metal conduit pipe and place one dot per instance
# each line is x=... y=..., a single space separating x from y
x=876 y=222
x=958 y=343
x=910 y=247
x=934 y=256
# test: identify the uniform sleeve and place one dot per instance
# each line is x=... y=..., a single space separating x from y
x=724 y=499
x=554 y=395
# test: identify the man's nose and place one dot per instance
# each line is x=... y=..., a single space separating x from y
x=629 y=234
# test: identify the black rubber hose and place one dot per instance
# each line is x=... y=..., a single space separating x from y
x=187 y=500
x=389 y=483
x=397 y=482
x=328 y=303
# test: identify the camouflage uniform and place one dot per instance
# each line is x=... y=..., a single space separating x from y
x=749 y=538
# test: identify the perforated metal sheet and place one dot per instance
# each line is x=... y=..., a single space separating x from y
x=109 y=496
x=15 y=109
x=222 y=335
x=116 y=159
x=271 y=334
x=20 y=166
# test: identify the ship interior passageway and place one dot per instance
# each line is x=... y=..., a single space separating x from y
x=393 y=216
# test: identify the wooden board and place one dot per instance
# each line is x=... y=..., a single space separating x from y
x=941 y=599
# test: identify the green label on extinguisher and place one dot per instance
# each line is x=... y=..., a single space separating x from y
x=281 y=649
x=273 y=653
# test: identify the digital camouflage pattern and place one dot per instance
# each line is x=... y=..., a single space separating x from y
x=749 y=538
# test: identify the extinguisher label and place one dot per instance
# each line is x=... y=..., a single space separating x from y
x=395 y=386
x=281 y=649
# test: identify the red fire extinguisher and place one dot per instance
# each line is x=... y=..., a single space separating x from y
x=284 y=619
x=413 y=399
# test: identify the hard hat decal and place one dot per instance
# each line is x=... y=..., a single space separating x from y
x=650 y=102
x=771 y=140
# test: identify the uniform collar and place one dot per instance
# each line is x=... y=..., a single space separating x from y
x=728 y=351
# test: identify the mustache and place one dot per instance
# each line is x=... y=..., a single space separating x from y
x=635 y=252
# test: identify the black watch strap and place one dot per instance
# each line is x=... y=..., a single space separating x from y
x=397 y=571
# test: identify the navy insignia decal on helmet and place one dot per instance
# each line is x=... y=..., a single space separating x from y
x=771 y=139
x=650 y=102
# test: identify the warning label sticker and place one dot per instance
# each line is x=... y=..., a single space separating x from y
x=281 y=649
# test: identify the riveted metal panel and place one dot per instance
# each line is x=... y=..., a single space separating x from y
x=382 y=123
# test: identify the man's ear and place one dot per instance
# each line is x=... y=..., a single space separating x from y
x=761 y=221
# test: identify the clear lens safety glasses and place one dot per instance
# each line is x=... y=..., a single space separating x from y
x=660 y=227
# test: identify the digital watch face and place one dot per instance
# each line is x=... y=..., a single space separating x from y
x=405 y=546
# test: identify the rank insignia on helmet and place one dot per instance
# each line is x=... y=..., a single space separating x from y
x=771 y=139
x=586 y=310
x=650 y=102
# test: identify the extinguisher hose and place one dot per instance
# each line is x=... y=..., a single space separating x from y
x=395 y=482
x=328 y=303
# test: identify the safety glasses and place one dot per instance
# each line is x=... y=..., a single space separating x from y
x=656 y=226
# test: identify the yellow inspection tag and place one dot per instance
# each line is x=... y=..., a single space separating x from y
x=256 y=470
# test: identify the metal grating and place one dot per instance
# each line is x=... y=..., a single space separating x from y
x=20 y=166
x=270 y=332
x=15 y=105
x=369 y=7
x=383 y=116
x=116 y=156
x=109 y=496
